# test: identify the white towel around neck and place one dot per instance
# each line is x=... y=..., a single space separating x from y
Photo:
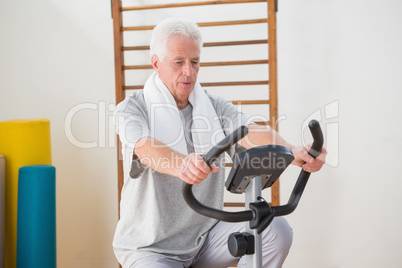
x=165 y=122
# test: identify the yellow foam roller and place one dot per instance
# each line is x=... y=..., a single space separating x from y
x=23 y=143
x=2 y=208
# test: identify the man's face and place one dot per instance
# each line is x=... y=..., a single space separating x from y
x=179 y=69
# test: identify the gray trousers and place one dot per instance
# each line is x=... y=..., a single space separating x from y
x=276 y=242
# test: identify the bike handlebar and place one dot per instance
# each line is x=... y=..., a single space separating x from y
x=247 y=215
x=318 y=139
x=188 y=195
x=314 y=151
x=225 y=144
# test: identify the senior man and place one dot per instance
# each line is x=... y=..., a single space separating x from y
x=164 y=128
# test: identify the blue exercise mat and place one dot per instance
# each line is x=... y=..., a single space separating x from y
x=36 y=222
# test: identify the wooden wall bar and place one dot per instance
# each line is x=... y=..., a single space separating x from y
x=189 y=4
x=120 y=68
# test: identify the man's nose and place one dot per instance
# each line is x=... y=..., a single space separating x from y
x=188 y=69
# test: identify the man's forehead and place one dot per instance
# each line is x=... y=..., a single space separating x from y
x=180 y=46
x=180 y=57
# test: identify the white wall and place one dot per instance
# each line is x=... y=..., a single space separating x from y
x=58 y=55
x=346 y=52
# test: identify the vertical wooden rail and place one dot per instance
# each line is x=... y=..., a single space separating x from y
x=273 y=84
x=119 y=80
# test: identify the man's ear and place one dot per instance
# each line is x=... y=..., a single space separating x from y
x=155 y=63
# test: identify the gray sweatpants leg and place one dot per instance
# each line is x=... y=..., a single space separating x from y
x=276 y=242
x=159 y=261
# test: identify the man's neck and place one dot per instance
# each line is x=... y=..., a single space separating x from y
x=181 y=104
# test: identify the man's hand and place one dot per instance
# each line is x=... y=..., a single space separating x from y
x=307 y=162
x=194 y=169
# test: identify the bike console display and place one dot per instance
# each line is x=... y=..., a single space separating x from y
x=268 y=162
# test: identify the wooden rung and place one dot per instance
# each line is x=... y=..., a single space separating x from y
x=235 y=43
x=233 y=204
x=250 y=102
x=215 y=84
x=203 y=3
x=135 y=48
x=210 y=44
x=201 y=24
x=231 y=63
x=137 y=67
x=236 y=83
x=133 y=87
x=262 y=123
x=204 y=64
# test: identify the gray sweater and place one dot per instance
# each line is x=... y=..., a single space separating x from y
x=154 y=217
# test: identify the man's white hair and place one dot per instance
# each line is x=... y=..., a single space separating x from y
x=169 y=28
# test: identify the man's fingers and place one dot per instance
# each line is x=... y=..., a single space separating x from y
x=316 y=163
x=194 y=169
x=323 y=155
x=199 y=164
x=197 y=171
x=307 y=158
x=214 y=169
x=306 y=161
x=190 y=179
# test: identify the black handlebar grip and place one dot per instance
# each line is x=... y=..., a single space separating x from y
x=225 y=144
x=301 y=182
x=318 y=138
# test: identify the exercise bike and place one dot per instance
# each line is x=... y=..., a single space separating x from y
x=254 y=170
